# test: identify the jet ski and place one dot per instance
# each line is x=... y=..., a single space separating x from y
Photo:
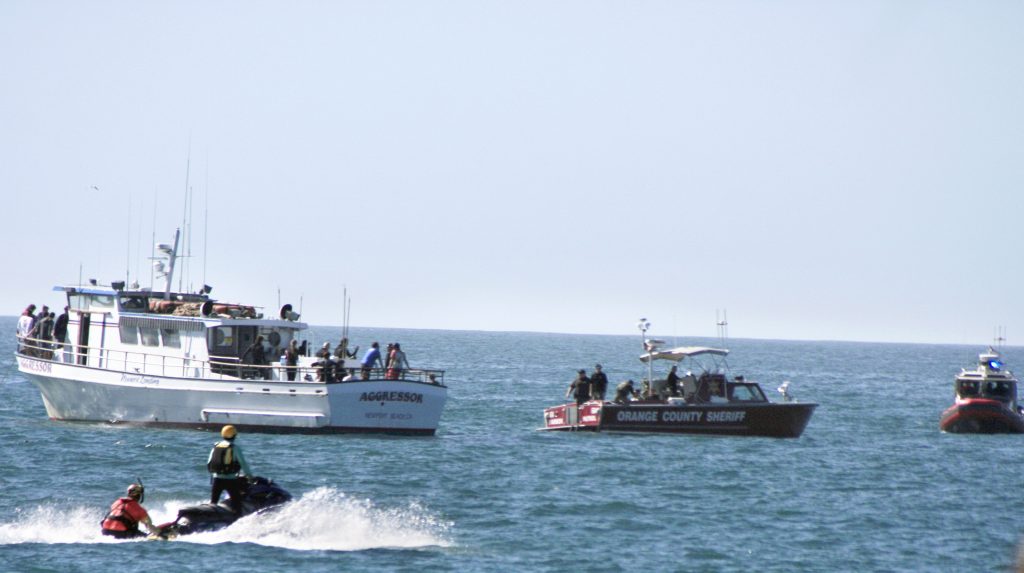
x=259 y=495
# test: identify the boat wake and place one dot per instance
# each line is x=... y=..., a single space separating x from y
x=321 y=520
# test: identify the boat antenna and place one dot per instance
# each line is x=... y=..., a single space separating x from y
x=128 y=246
x=138 y=241
x=643 y=324
x=348 y=315
x=206 y=216
x=999 y=337
x=723 y=326
x=344 y=311
x=188 y=248
x=172 y=255
x=184 y=215
x=152 y=248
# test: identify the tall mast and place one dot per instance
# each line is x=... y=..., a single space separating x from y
x=643 y=325
x=172 y=255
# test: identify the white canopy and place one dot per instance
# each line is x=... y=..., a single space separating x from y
x=681 y=352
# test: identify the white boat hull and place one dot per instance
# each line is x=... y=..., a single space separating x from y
x=79 y=393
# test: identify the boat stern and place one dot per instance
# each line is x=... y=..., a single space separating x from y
x=571 y=417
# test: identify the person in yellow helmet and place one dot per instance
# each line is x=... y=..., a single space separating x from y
x=227 y=465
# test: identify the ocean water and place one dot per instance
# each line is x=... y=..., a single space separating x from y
x=872 y=485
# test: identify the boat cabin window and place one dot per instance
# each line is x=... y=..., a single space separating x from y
x=129 y=335
x=150 y=336
x=747 y=393
x=78 y=302
x=967 y=388
x=87 y=302
x=228 y=343
x=709 y=385
x=171 y=337
x=101 y=301
x=997 y=389
x=133 y=303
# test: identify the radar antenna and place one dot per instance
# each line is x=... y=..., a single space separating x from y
x=999 y=337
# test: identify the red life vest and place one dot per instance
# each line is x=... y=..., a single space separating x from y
x=118 y=519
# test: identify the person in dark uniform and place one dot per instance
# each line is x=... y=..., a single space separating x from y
x=259 y=356
x=579 y=388
x=672 y=382
x=598 y=383
x=624 y=391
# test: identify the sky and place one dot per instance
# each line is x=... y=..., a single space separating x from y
x=838 y=170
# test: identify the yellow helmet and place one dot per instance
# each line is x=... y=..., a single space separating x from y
x=228 y=432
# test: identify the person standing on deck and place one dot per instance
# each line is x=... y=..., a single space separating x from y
x=60 y=328
x=579 y=388
x=291 y=359
x=672 y=382
x=598 y=383
x=371 y=359
x=325 y=372
x=397 y=363
x=259 y=356
x=25 y=324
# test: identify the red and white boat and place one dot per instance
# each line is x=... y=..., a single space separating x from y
x=986 y=400
x=707 y=402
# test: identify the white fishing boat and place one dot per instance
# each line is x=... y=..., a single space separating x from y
x=168 y=358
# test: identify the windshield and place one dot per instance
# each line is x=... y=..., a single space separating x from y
x=999 y=390
x=747 y=393
x=967 y=388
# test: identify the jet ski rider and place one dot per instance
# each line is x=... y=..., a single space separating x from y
x=125 y=514
x=226 y=459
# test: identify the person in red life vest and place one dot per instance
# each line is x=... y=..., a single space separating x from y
x=225 y=463
x=125 y=515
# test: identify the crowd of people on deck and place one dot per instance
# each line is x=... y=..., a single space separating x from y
x=330 y=365
x=40 y=334
x=585 y=388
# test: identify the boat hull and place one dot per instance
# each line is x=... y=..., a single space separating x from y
x=981 y=416
x=77 y=393
x=786 y=420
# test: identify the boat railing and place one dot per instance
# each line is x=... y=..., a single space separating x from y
x=216 y=368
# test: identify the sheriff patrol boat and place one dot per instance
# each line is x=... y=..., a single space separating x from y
x=179 y=359
x=986 y=400
x=704 y=402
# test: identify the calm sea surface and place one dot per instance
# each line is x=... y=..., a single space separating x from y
x=872 y=485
